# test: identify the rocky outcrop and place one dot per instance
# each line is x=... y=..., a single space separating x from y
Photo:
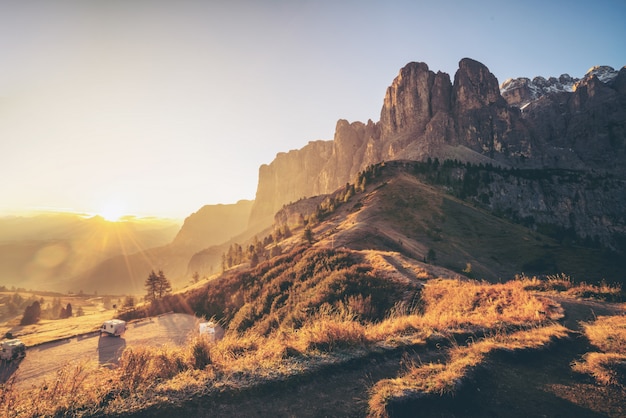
x=484 y=121
x=520 y=92
x=317 y=168
x=554 y=123
x=584 y=205
x=584 y=129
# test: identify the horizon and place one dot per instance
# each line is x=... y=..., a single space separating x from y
x=155 y=109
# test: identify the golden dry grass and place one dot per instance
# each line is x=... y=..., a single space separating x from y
x=440 y=378
x=606 y=368
x=449 y=305
x=564 y=285
x=77 y=386
x=503 y=316
x=457 y=304
x=608 y=334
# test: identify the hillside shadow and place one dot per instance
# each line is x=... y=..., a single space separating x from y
x=110 y=349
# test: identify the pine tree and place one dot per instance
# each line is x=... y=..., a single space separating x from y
x=157 y=286
x=32 y=313
x=163 y=285
x=308 y=235
x=254 y=260
x=151 y=284
x=66 y=312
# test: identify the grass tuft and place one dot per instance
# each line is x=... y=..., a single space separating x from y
x=608 y=334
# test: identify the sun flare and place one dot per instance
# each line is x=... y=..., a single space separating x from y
x=112 y=211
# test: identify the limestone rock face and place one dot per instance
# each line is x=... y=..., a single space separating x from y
x=484 y=121
x=583 y=129
x=319 y=167
x=474 y=87
x=407 y=105
x=543 y=123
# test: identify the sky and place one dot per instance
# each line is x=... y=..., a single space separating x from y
x=156 y=108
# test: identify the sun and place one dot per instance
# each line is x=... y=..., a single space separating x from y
x=112 y=211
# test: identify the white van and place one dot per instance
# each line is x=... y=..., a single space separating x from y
x=114 y=327
x=12 y=350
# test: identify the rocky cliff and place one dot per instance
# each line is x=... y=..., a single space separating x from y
x=554 y=123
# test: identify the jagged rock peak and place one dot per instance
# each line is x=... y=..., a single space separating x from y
x=474 y=85
x=407 y=104
x=604 y=73
x=520 y=92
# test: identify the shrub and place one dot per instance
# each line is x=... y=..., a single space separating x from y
x=32 y=313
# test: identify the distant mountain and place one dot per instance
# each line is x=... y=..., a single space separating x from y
x=522 y=91
x=44 y=251
x=563 y=123
x=213 y=224
x=126 y=273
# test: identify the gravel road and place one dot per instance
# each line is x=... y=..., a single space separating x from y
x=43 y=361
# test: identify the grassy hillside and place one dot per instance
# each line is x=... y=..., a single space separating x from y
x=309 y=311
x=401 y=210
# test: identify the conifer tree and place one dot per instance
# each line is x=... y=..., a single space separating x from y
x=151 y=285
x=308 y=235
x=164 y=286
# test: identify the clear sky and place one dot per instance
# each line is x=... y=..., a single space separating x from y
x=159 y=107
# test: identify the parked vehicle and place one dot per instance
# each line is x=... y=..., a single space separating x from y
x=212 y=330
x=114 y=327
x=12 y=350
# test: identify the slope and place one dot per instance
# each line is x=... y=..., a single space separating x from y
x=400 y=210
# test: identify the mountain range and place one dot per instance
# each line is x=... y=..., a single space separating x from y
x=523 y=176
x=581 y=126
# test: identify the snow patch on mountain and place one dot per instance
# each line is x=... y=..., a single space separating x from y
x=604 y=73
x=522 y=91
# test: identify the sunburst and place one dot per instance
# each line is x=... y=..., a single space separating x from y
x=112 y=211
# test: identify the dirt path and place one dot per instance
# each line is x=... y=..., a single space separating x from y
x=523 y=385
x=340 y=391
x=536 y=383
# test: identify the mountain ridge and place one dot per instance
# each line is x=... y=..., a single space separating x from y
x=424 y=114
